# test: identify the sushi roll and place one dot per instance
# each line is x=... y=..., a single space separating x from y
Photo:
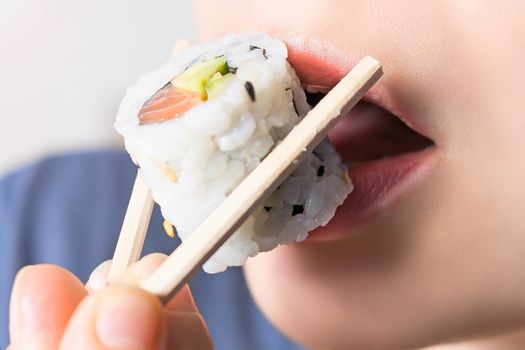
x=198 y=125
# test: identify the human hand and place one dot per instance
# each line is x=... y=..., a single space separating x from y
x=51 y=309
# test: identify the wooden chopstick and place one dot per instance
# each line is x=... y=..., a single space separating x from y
x=133 y=232
x=137 y=218
x=177 y=269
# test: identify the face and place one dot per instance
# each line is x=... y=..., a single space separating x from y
x=430 y=247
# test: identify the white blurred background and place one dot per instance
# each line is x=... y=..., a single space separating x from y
x=64 y=66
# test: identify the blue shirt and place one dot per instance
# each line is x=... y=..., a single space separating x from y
x=67 y=210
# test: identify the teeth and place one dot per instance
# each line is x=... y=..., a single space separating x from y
x=316 y=88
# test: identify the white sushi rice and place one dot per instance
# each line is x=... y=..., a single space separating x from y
x=191 y=163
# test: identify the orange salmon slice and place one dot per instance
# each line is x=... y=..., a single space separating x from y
x=168 y=103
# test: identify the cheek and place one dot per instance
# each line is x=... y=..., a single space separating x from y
x=215 y=19
x=337 y=297
x=437 y=268
x=203 y=13
x=310 y=296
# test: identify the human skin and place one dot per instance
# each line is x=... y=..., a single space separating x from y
x=444 y=264
x=65 y=314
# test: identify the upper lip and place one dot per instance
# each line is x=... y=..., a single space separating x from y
x=321 y=64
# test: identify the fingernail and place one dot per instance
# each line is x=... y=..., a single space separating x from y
x=98 y=278
x=128 y=321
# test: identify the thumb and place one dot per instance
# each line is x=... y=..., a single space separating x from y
x=118 y=317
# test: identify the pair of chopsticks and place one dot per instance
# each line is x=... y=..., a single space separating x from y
x=186 y=259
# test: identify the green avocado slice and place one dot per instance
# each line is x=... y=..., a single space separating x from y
x=217 y=84
x=197 y=76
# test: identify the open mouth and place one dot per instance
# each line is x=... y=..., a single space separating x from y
x=385 y=154
x=370 y=132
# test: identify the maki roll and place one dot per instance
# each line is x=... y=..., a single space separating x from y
x=198 y=125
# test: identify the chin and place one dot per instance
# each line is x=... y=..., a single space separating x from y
x=318 y=309
x=345 y=295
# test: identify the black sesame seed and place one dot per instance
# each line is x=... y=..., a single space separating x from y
x=231 y=69
x=293 y=101
x=297 y=209
x=320 y=171
x=267 y=208
x=295 y=106
x=258 y=48
x=250 y=90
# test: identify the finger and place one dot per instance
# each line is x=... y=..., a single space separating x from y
x=141 y=270
x=186 y=328
x=99 y=277
x=182 y=301
x=138 y=272
x=132 y=276
x=118 y=317
x=42 y=301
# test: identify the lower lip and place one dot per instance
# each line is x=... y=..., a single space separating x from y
x=378 y=185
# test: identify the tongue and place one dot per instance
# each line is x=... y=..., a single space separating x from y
x=369 y=132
